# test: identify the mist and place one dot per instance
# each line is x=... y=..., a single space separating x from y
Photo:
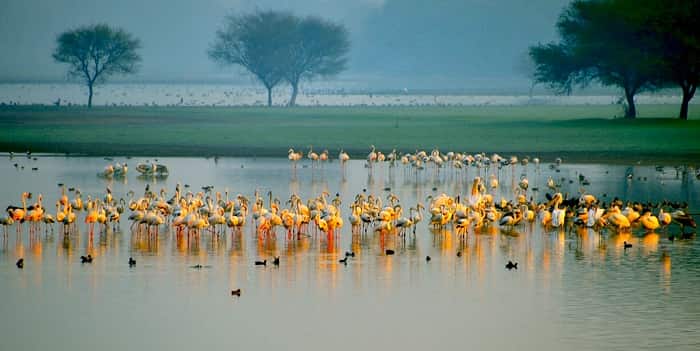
x=448 y=44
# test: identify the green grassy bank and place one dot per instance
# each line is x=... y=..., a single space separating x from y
x=581 y=133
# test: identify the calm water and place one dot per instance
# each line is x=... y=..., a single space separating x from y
x=573 y=291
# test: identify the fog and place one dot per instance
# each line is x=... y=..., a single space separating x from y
x=441 y=44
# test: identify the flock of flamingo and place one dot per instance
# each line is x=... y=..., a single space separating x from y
x=191 y=214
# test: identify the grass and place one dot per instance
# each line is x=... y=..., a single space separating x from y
x=582 y=133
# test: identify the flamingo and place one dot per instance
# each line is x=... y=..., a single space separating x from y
x=16 y=213
x=91 y=217
x=323 y=156
x=6 y=221
x=293 y=157
x=372 y=156
x=311 y=155
x=343 y=157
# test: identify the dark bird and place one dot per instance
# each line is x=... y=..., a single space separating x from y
x=276 y=261
x=132 y=262
x=197 y=266
x=459 y=253
x=86 y=259
x=35 y=168
x=236 y=292
x=427 y=258
x=344 y=261
x=512 y=265
x=626 y=245
x=683 y=219
x=261 y=263
x=20 y=263
x=349 y=254
x=389 y=252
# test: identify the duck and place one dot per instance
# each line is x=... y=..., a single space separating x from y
x=427 y=258
x=236 y=292
x=276 y=261
x=344 y=260
x=20 y=263
x=261 y=263
x=389 y=252
x=86 y=259
x=510 y=265
x=626 y=245
x=132 y=262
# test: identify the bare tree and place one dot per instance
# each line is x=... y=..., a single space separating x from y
x=95 y=52
x=319 y=48
x=258 y=42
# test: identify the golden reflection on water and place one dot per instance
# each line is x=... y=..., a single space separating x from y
x=543 y=253
x=666 y=272
x=650 y=243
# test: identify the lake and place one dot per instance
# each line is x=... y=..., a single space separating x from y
x=574 y=290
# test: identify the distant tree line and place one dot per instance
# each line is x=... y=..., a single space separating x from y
x=275 y=47
x=636 y=45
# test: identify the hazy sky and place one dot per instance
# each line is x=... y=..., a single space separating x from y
x=417 y=43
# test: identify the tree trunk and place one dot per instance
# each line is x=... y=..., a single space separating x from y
x=688 y=93
x=269 y=96
x=89 y=94
x=631 y=111
x=295 y=91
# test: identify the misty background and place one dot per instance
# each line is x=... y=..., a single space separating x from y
x=441 y=44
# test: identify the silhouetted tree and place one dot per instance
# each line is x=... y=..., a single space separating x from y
x=601 y=41
x=259 y=43
x=674 y=26
x=95 y=52
x=319 y=48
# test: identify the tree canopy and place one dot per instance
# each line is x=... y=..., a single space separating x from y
x=277 y=46
x=637 y=45
x=600 y=41
x=319 y=48
x=257 y=42
x=674 y=30
x=95 y=52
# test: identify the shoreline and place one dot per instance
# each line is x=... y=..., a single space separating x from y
x=583 y=157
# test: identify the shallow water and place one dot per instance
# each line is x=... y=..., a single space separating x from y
x=573 y=291
x=227 y=95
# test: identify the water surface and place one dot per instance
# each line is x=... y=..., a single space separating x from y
x=574 y=291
